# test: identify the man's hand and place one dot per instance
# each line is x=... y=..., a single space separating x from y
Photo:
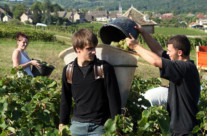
x=131 y=42
x=139 y=28
x=60 y=128
x=65 y=128
x=151 y=42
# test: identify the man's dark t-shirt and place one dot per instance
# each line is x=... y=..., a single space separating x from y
x=184 y=93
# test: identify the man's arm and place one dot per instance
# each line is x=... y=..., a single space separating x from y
x=148 y=56
x=66 y=100
x=151 y=42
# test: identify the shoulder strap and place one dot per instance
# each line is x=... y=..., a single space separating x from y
x=69 y=72
x=24 y=54
x=98 y=71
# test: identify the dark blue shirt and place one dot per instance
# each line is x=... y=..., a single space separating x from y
x=184 y=93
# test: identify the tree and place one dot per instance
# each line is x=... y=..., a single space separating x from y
x=18 y=10
x=70 y=9
x=7 y=9
x=37 y=8
x=56 y=7
x=47 y=9
x=99 y=8
x=157 y=20
x=84 y=10
x=55 y=18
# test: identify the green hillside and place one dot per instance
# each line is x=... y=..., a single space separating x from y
x=176 y=6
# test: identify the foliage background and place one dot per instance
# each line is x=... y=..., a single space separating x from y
x=164 y=6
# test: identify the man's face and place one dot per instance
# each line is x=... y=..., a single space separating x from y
x=172 y=52
x=87 y=53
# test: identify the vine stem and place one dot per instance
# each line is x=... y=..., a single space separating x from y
x=119 y=133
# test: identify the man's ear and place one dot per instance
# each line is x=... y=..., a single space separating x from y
x=77 y=50
x=180 y=52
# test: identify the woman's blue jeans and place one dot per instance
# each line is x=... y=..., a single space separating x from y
x=86 y=129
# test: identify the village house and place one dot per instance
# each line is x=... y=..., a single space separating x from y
x=79 y=17
x=202 y=22
x=190 y=15
x=91 y=15
x=6 y=18
x=156 y=15
x=167 y=16
x=26 y=18
x=200 y=16
x=97 y=16
x=113 y=15
x=2 y=10
x=60 y=13
x=71 y=16
x=195 y=25
x=192 y=24
x=141 y=19
x=64 y=14
x=103 y=15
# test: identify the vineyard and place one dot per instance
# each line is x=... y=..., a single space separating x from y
x=47 y=34
x=30 y=106
x=9 y=31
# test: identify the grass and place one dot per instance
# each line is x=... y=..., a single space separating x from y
x=63 y=39
x=6 y=48
x=47 y=51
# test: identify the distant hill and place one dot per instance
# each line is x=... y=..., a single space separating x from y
x=163 y=6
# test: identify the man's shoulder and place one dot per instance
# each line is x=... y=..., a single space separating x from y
x=103 y=62
x=69 y=64
x=106 y=65
x=178 y=62
x=188 y=64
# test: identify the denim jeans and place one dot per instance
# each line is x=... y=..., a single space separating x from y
x=86 y=129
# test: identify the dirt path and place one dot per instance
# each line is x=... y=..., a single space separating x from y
x=65 y=37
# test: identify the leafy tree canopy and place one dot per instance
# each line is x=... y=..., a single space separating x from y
x=18 y=10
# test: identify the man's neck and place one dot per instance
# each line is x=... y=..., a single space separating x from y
x=82 y=63
x=187 y=58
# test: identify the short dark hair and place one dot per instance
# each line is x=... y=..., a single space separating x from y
x=83 y=38
x=181 y=42
x=20 y=34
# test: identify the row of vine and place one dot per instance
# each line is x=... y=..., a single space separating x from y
x=30 y=106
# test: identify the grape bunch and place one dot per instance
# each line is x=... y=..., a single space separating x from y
x=121 y=44
x=45 y=64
